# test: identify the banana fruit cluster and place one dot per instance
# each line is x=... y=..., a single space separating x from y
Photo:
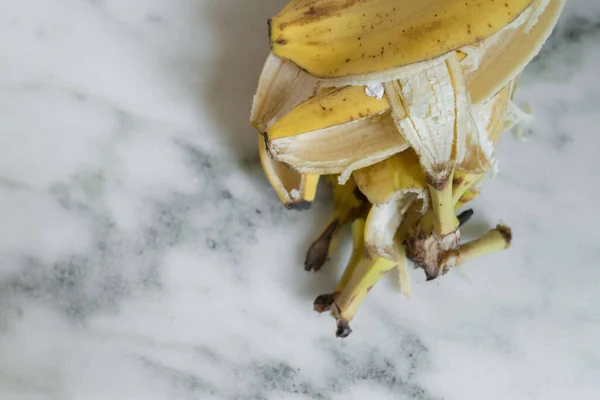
x=399 y=105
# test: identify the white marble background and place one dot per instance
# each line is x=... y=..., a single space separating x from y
x=143 y=255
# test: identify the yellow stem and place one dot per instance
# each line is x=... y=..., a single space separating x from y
x=358 y=249
x=461 y=183
x=308 y=186
x=367 y=273
x=403 y=275
x=467 y=197
x=444 y=219
x=495 y=240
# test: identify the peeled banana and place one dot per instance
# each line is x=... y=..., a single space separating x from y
x=399 y=105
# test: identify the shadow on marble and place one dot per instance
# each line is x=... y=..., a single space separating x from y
x=241 y=40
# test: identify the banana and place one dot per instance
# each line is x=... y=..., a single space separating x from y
x=376 y=251
x=499 y=59
x=281 y=87
x=487 y=125
x=340 y=149
x=433 y=119
x=352 y=129
x=332 y=38
x=362 y=272
x=326 y=302
x=390 y=179
x=396 y=186
x=295 y=191
x=400 y=104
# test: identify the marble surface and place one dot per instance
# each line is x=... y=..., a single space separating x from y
x=143 y=255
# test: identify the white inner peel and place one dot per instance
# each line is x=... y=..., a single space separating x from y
x=341 y=148
x=428 y=108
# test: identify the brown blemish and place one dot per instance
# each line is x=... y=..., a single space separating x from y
x=343 y=329
x=316 y=13
x=424 y=251
x=318 y=252
x=323 y=303
x=269 y=29
x=416 y=33
x=439 y=180
x=506 y=233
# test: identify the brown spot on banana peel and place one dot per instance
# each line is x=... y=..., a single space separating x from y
x=417 y=33
x=318 y=252
x=457 y=180
x=316 y=13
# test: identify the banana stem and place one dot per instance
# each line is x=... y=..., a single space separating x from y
x=358 y=249
x=308 y=186
x=403 y=275
x=320 y=250
x=495 y=240
x=367 y=273
x=444 y=219
x=325 y=302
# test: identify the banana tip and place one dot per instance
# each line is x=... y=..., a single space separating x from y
x=506 y=233
x=301 y=205
x=343 y=329
x=323 y=302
